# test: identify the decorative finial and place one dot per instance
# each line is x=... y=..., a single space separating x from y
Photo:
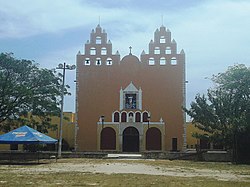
x=130 y=49
x=162 y=17
x=161 y=120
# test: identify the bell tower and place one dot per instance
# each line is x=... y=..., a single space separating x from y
x=98 y=50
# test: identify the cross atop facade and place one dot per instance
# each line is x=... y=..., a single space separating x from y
x=130 y=49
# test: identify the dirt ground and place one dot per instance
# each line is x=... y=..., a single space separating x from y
x=126 y=166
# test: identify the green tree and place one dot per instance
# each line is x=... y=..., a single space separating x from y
x=28 y=94
x=224 y=112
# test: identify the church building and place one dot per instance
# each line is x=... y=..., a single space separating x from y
x=130 y=103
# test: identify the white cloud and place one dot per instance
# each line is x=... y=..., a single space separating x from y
x=46 y=16
x=214 y=34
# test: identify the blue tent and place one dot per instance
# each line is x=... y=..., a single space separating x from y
x=26 y=135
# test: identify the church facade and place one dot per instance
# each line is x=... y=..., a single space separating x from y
x=130 y=104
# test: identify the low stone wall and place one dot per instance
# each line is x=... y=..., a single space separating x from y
x=169 y=155
x=211 y=156
x=20 y=156
x=217 y=156
x=84 y=155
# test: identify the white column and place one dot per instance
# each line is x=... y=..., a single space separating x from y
x=121 y=99
x=140 y=99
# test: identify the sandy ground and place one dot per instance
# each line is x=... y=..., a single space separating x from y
x=136 y=168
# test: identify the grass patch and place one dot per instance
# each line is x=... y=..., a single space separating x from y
x=89 y=179
x=15 y=175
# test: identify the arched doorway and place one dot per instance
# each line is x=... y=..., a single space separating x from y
x=153 y=139
x=130 y=139
x=108 y=139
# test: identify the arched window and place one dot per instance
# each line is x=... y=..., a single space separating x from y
x=151 y=61
x=124 y=117
x=137 y=117
x=98 y=62
x=98 y=40
x=87 y=61
x=145 y=117
x=162 y=61
x=157 y=50
x=131 y=117
x=173 y=61
x=131 y=114
x=168 y=50
x=109 y=62
x=92 y=51
x=162 y=39
x=116 y=117
x=104 y=51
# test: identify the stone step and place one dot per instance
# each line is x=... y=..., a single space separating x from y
x=124 y=156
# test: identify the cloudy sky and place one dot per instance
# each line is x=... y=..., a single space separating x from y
x=213 y=33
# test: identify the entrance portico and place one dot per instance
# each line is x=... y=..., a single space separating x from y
x=131 y=136
x=131 y=128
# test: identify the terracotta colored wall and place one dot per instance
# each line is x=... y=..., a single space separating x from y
x=98 y=87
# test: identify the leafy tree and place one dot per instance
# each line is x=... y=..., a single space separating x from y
x=28 y=94
x=224 y=112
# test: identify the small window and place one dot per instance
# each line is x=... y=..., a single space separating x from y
x=157 y=50
x=162 y=61
x=104 y=51
x=116 y=117
x=162 y=40
x=109 y=62
x=151 y=61
x=124 y=117
x=145 y=117
x=92 y=51
x=131 y=117
x=87 y=62
x=173 y=61
x=168 y=50
x=138 y=117
x=98 y=62
x=98 y=40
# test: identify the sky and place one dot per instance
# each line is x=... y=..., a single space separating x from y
x=213 y=33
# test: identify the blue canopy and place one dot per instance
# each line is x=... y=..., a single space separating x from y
x=26 y=135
